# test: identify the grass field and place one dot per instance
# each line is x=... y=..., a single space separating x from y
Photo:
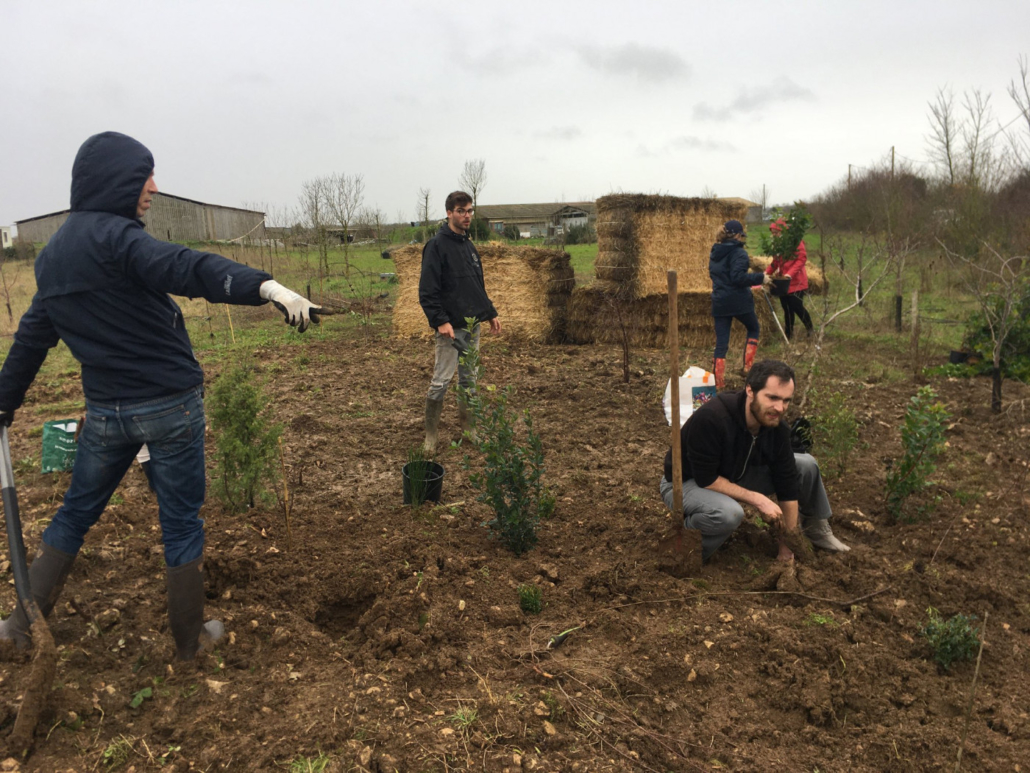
x=217 y=330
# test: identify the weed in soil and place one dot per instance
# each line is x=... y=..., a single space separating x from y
x=953 y=639
x=531 y=599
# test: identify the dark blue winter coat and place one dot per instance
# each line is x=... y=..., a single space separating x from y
x=731 y=282
x=103 y=283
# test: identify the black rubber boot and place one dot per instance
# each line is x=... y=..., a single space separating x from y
x=47 y=575
x=186 y=611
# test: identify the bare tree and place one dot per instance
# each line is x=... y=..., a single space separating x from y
x=761 y=196
x=314 y=210
x=423 y=207
x=373 y=220
x=977 y=144
x=345 y=194
x=473 y=179
x=872 y=258
x=1020 y=93
x=998 y=284
x=708 y=193
x=944 y=131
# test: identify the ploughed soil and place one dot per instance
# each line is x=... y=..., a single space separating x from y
x=391 y=639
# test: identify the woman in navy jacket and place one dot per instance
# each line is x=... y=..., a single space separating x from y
x=731 y=296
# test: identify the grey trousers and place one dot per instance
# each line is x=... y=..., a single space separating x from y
x=717 y=516
x=447 y=363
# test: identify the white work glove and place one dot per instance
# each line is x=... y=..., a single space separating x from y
x=299 y=311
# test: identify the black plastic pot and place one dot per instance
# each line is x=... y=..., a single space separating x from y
x=424 y=483
x=780 y=287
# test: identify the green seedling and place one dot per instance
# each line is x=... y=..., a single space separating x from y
x=953 y=639
x=531 y=599
x=556 y=641
x=142 y=695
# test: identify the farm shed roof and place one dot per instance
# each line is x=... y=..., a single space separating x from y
x=518 y=211
x=161 y=193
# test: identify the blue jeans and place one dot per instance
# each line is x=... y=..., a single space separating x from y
x=722 y=331
x=173 y=429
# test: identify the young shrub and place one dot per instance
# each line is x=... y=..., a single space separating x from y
x=531 y=599
x=836 y=431
x=953 y=639
x=418 y=475
x=246 y=440
x=786 y=242
x=922 y=438
x=511 y=478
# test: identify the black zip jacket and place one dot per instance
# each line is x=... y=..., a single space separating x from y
x=715 y=441
x=103 y=283
x=451 y=286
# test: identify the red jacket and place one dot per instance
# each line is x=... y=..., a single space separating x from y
x=794 y=267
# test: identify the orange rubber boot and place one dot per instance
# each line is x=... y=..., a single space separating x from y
x=719 y=369
x=749 y=354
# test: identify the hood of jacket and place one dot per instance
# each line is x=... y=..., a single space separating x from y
x=446 y=231
x=108 y=175
x=721 y=251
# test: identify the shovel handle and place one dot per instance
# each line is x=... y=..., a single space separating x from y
x=674 y=366
x=12 y=521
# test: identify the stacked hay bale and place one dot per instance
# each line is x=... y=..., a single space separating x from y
x=529 y=286
x=639 y=238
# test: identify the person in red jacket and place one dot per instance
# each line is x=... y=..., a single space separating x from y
x=793 y=269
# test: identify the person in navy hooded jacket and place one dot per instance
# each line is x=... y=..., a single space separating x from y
x=728 y=266
x=102 y=288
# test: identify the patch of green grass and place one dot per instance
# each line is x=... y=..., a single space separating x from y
x=464 y=718
x=117 y=753
x=817 y=619
x=315 y=764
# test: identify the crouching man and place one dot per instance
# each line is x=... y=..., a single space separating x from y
x=736 y=450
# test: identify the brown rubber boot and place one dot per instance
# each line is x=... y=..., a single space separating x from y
x=433 y=410
x=719 y=369
x=47 y=575
x=186 y=611
x=750 y=350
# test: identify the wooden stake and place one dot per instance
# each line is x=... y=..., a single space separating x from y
x=231 y=331
x=286 y=498
x=972 y=694
x=674 y=369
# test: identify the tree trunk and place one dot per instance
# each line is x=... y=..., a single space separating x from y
x=996 y=389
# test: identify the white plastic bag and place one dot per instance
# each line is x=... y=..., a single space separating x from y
x=697 y=387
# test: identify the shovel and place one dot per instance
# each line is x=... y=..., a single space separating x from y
x=44 y=661
x=679 y=551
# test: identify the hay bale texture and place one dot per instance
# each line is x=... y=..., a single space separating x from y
x=817 y=284
x=597 y=316
x=640 y=237
x=530 y=288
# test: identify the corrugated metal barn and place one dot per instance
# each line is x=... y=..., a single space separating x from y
x=172 y=218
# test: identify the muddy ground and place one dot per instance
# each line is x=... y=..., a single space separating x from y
x=391 y=639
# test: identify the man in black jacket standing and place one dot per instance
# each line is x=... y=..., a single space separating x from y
x=450 y=289
x=102 y=287
x=736 y=450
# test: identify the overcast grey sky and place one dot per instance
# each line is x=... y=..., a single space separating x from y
x=241 y=102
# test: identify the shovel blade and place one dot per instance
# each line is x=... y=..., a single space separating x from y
x=679 y=552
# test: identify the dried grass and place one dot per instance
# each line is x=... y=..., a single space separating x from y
x=641 y=237
x=529 y=286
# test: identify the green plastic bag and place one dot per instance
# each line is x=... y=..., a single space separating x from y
x=59 y=445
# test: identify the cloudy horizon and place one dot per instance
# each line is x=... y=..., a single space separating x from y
x=241 y=103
